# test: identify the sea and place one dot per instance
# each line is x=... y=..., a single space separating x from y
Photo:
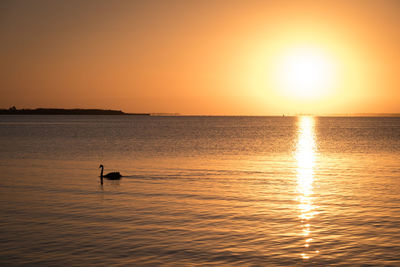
x=199 y=191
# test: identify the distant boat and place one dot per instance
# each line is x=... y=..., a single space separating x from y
x=109 y=176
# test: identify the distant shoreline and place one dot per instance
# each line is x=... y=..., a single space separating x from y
x=60 y=111
x=78 y=111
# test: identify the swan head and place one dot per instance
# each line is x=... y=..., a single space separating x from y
x=101 y=166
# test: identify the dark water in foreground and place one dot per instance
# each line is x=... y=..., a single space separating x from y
x=256 y=191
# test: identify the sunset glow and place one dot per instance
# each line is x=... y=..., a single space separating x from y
x=219 y=58
x=306 y=74
x=200 y=133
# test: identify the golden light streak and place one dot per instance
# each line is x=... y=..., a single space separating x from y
x=305 y=158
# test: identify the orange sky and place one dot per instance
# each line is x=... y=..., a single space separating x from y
x=200 y=57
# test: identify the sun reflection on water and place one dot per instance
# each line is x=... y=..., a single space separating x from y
x=305 y=158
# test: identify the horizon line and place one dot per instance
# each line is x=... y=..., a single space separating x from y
x=359 y=114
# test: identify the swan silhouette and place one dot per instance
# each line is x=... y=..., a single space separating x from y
x=109 y=176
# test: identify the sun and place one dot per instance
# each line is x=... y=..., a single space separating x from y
x=305 y=73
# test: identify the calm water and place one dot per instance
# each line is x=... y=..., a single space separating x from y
x=256 y=191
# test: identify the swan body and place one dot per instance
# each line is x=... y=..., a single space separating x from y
x=109 y=176
x=113 y=175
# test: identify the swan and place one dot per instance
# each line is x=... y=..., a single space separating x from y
x=110 y=176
